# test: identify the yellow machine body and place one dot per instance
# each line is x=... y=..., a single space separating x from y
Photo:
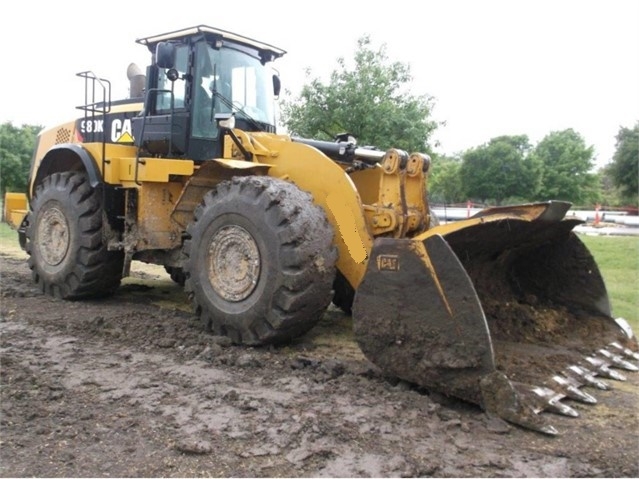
x=506 y=309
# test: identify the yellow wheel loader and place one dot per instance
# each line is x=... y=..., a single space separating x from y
x=506 y=309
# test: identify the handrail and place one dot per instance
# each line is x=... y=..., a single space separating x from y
x=101 y=107
x=144 y=117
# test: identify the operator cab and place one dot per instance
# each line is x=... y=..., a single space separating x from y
x=198 y=76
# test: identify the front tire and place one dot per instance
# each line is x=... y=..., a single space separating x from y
x=68 y=256
x=260 y=260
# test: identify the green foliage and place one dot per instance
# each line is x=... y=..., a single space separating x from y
x=369 y=100
x=16 y=149
x=609 y=193
x=624 y=169
x=444 y=181
x=566 y=163
x=500 y=170
x=618 y=261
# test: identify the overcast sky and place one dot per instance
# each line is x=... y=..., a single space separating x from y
x=494 y=67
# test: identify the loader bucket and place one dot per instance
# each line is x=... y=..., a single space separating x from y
x=507 y=310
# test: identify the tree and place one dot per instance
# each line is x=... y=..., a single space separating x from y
x=444 y=181
x=499 y=170
x=609 y=193
x=370 y=101
x=624 y=168
x=566 y=163
x=16 y=149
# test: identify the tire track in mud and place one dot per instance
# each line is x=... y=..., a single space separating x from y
x=124 y=387
x=200 y=406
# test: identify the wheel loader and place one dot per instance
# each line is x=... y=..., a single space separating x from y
x=506 y=309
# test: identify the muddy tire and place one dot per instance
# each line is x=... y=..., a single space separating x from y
x=68 y=256
x=260 y=261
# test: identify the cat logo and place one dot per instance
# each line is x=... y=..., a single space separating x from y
x=121 y=131
x=388 y=262
x=125 y=138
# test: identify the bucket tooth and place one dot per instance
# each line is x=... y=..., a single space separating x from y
x=624 y=351
x=618 y=361
x=587 y=377
x=551 y=401
x=548 y=429
x=537 y=397
x=602 y=369
x=514 y=402
x=625 y=327
x=560 y=408
x=570 y=387
x=458 y=309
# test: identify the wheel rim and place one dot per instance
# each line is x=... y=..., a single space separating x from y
x=233 y=263
x=53 y=236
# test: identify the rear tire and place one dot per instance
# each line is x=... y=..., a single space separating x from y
x=260 y=261
x=68 y=255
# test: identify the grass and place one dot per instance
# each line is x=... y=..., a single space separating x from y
x=617 y=257
x=8 y=237
x=618 y=260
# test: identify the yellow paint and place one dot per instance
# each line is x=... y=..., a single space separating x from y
x=519 y=212
x=120 y=167
x=15 y=209
x=415 y=194
x=346 y=225
x=391 y=201
x=240 y=164
x=420 y=250
x=125 y=138
x=367 y=182
x=159 y=169
x=48 y=138
x=394 y=199
x=126 y=107
x=331 y=189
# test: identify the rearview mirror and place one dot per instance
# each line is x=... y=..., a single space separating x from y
x=277 y=85
x=165 y=55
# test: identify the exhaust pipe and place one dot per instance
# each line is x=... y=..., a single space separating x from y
x=137 y=81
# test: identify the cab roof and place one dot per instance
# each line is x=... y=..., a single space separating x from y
x=212 y=33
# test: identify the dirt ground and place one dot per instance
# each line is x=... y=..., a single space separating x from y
x=131 y=386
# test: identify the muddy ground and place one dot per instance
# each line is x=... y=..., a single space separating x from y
x=131 y=386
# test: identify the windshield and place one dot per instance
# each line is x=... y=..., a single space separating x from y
x=242 y=83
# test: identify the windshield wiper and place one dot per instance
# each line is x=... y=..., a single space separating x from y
x=229 y=104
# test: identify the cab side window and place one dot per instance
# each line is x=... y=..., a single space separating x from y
x=163 y=103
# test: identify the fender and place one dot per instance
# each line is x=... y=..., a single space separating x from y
x=332 y=189
x=208 y=174
x=66 y=157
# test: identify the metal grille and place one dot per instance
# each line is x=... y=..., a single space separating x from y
x=63 y=135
